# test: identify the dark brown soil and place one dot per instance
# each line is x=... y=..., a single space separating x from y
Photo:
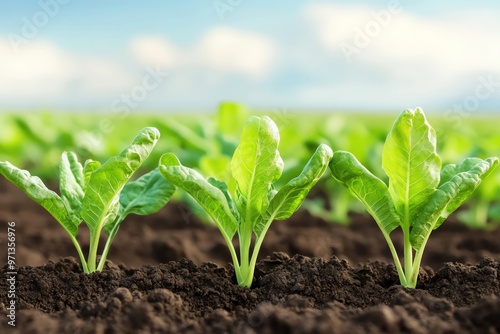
x=318 y=282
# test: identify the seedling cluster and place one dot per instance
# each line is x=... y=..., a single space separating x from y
x=98 y=194
x=255 y=203
x=419 y=196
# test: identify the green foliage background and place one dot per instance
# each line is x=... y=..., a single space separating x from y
x=36 y=140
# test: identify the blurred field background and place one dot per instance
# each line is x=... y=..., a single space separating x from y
x=207 y=141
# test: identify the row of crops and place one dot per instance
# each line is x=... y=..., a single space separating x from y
x=206 y=142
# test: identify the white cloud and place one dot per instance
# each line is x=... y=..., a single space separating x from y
x=335 y=23
x=231 y=50
x=154 y=50
x=102 y=77
x=398 y=57
x=40 y=69
x=221 y=49
x=452 y=47
x=414 y=60
x=43 y=72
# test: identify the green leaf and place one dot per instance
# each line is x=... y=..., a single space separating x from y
x=144 y=196
x=290 y=196
x=448 y=197
x=222 y=186
x=255 y=165
x=271 y=193
x=450 y=170
x=211 y=198
x=89 y=168
x=71 y=181
x=369 y=189
x=411 y=162
x=100 y=202
x=37 y=191
x=111 y=218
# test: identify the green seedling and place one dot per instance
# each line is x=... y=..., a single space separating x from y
x=98 y=194
x=420 y=195
x=255 y=204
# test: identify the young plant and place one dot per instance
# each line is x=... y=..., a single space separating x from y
x=255 y=166
x=482 y=212
x=99 y=195
x=420 y=195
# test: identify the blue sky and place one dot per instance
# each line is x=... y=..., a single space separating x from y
x=309 y=55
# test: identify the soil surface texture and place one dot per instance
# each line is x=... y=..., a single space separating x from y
x=170 y=273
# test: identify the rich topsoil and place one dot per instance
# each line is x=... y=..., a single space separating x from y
x=169 y=273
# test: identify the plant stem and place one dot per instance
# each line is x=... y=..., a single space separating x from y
x=245 y=243
x=255 y=252
x=237 y=269
x=80 y=254
x=111 y=237
x=412 y=283
x=408 y=253
x=232 y=251
x=245 y=236
x=258 y=244
x=92 y=259
x=397 y=263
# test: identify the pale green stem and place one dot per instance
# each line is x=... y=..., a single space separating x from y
x=94 y=244
x=408 y=253
x=412 y=283
x=245 y=237
x=245 y=243
x=80 y=254
x=111 y=237
x=397 y=263
x=251 y=267
x=232 y=251
x=234 y=257
x=256 y=250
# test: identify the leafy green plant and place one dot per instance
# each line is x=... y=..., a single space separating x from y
x=256 y=164
x=483 y=209
x=98 y=194
x=206 y=145
x=420 y=195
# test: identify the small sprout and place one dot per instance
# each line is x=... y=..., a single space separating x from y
x=255 y=204
x=420 y=195
x=98 y=194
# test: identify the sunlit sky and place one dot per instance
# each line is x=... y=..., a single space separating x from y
x=309 y=55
